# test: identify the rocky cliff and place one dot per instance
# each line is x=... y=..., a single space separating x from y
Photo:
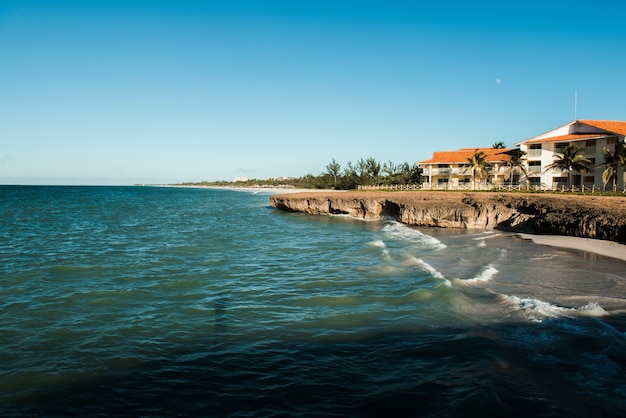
x=580 y=216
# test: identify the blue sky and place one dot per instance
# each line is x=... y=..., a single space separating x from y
x=125 y=92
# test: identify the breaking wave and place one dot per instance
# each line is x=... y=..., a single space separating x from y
x=535 y=310
x=401 y=232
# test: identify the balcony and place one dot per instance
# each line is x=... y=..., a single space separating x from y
x=443 y=171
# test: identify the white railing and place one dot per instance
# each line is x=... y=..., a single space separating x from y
x=489 y=186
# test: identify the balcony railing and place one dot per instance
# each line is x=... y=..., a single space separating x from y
x=463 y=171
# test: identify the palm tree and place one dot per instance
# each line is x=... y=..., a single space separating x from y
x=498 y=145
x=477 y=165
x=613 y=161
x=571 y=159
x=516 y=163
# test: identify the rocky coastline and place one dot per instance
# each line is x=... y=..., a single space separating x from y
x=596 y=217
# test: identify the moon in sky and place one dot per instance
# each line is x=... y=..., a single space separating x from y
x=497 y=81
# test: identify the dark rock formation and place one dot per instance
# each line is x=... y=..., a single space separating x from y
x=579 y=216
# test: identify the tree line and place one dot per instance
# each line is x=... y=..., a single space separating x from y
x=366 y=172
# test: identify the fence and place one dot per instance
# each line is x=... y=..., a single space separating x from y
x=486 y=187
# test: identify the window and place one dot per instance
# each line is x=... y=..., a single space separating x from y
x=443 y=165
x=534 y=150
x=611 y=141
x=559 y=180
x=534 y=166
x=535 y=181
x=558 y=148
x=442 y=181
x=588 y=179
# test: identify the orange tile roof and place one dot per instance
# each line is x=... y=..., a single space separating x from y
x=570 y=137
x=462 y=155
x=610 y=126
x=617 y=127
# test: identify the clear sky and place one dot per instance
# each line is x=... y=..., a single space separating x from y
x=151 y=91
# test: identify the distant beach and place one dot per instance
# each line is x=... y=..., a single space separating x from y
x=265 y=189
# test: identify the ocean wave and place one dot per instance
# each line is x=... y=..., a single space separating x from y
x=430 y=269
x=378 y=243
x=483 y=277
x=401 y=232
x=536 y=310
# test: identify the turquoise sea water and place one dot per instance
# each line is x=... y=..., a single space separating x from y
x=146 y=301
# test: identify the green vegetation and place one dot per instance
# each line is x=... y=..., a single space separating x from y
x=366 y=172
x=572 y=158
x=613 y=161
x=477 y=164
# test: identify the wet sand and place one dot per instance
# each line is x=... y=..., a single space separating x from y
x=596 y=246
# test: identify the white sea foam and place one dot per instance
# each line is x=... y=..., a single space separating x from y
x=484 y=276
x=386 y=254
x=536 y=310
x=483 y=236
x=592 y=309
x=402 y=232
x=378 y=243
x=430 y=269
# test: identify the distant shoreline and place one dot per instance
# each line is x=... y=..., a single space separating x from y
x=264 y=189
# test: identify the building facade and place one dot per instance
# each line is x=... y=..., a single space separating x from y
x=451 y=169
x=590 y=136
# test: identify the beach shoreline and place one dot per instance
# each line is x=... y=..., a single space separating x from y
x=592 y=224
x=596 y=246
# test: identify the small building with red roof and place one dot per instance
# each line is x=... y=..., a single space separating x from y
x=451 y=169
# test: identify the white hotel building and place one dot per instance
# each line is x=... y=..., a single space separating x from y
x=590 y=135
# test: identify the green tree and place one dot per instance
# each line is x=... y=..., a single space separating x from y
x=361 y=169
x=350 y=177
x=373 y=169
x=390 y=169
x=478 y=165
x=572 y=158
x=499 y=145
x=334 y=168
x=516 y=164
x=612 y=162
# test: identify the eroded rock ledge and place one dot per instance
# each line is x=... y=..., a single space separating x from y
x=580 y=216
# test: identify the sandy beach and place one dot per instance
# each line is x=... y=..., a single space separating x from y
x=596 y=246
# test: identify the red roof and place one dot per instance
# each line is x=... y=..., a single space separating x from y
x=609 y=126
x=613 y=126
x=461 y=156
x=570 y=137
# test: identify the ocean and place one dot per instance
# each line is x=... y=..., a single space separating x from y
x=164 y=301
